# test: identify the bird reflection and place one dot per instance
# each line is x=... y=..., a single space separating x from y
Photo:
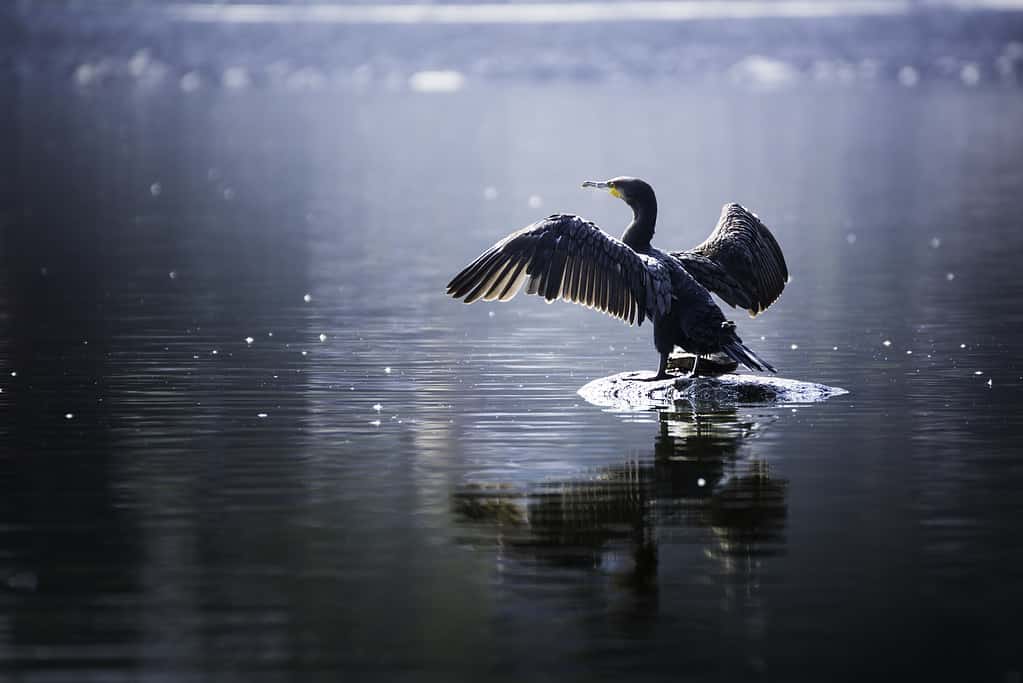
x=616 y=520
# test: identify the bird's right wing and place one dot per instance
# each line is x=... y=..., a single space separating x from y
x=740 y=261
x=564 y=256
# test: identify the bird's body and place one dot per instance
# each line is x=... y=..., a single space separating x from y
x=564 y=256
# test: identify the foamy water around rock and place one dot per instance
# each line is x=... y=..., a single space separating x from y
x=626 y=391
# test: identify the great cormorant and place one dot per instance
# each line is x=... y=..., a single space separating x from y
x=564 y=256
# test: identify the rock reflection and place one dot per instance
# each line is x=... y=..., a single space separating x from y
x=617 y=520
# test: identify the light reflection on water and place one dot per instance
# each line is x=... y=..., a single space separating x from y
x=535 y=13
x=486 y=518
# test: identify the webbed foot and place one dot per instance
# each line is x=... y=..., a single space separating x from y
x=656 y=378
x=662 y=371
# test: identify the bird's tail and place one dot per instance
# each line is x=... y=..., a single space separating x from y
x=739 y=352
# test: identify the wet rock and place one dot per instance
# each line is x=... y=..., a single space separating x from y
x=625 y=391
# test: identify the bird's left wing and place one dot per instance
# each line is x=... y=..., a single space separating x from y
x=740 y=261
x=566 y=257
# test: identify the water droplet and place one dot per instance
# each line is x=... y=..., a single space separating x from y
x=887 y=342
x=155 y=189
x=851 y=238
x=834 y=348
x=305 y=353
x=14 y=373
x=376 y=406
x=490 y=314
x=935 y=242
x=978 y=372
x=701 y=482
x=214 y=352
x=909 y=353
x=173 y=275
x=68 y=416
x=307 y=298
x=989 y=383
x=249 y=340
x=950 y=276
x=794 y=346
x=375 y=423
x=323 y=337
x=260 y=414
x=387 y=370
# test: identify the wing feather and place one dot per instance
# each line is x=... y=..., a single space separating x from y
x=556 y=272
x=487 y=277
x=566 y=257
x=601 y=288
x=467 y=279
x=573 y=281
x=591 y=282
x=566 y=281
x=501 y=283
x=616 y=294
x=514 y=282
x=740 y=261
x=619 y=308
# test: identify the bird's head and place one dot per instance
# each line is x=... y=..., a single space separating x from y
x=640 y=198
x=633 y=191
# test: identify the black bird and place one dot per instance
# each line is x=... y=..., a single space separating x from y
x=564 y=256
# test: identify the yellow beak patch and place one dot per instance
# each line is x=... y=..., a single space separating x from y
x=615 y=193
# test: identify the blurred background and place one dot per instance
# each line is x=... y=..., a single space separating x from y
x=244 y=434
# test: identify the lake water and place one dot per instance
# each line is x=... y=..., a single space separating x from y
x=245 y=432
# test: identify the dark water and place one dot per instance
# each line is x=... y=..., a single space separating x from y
x=425 y=495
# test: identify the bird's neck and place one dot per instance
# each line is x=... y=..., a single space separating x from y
x=641 y=229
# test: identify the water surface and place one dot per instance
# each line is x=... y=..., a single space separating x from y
x=386 y=482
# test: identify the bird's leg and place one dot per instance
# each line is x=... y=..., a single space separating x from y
x=662 y=371
x=696 y=359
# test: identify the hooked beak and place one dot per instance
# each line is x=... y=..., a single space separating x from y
x=600 y=185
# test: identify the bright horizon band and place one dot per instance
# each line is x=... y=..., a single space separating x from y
x=567 y=12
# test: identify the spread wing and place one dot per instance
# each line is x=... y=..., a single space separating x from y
x=741 y=261
x=566 y=257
